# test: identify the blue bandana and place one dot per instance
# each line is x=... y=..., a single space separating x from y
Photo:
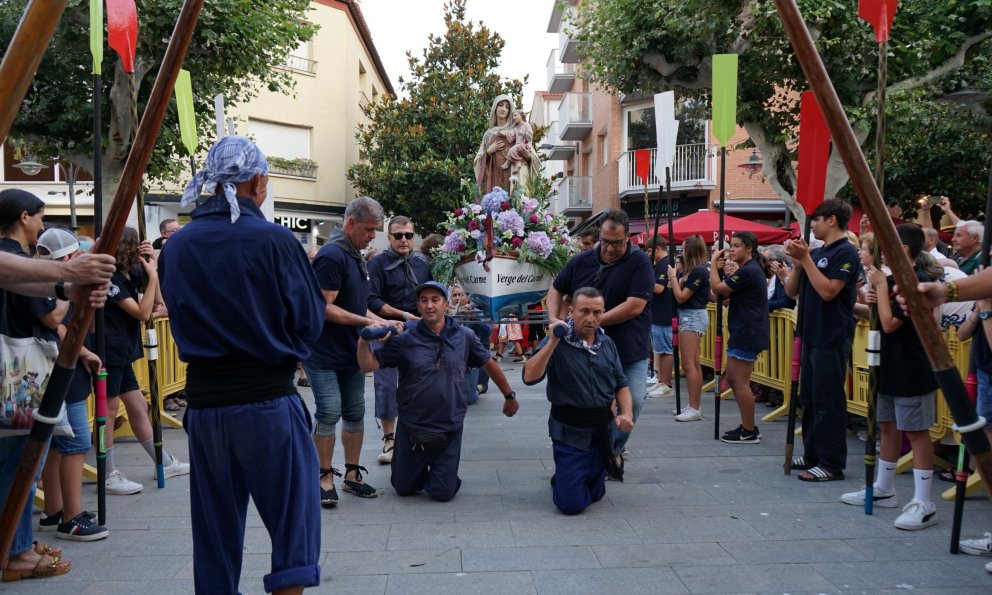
x=232 y=160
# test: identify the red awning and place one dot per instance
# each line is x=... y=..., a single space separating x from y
x=707 y=225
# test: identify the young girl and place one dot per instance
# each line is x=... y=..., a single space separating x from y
x=747 y=321
x=692 y=292
x=126 y=308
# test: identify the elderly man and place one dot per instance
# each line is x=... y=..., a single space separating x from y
x=625 y=277
x=244 y=306
x=584 y=377
x=967 y=242
x=394 y=275
x=433 y=357
x=165 y=229
x=338 y=384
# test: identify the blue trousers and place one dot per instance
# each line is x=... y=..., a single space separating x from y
x=263 y=451
x=580 y=477
x=11 y=450
x=433 y=472
x=386 y=381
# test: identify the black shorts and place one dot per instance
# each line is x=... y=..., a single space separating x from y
x=120 y=379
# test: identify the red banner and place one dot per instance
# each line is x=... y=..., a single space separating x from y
x=880 y=13
x=122 y=30
x=814 y=151
x=642 y=164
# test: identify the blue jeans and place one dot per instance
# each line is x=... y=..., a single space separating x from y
x=338 y=394
x=80 y=444
x=983 y=405
x=637 y=381
x=824 y=403
x=11 y=449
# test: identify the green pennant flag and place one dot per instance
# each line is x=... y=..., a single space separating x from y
x=184 y=104
x=96 y=35
x=724 y=96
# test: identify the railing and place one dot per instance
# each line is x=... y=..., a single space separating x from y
x=300 y=64
x=568 y=46
x=575 y=116
x=554 y=148
x=574 y=194
x=560 y=76
x=694 y=164
x=300 y=171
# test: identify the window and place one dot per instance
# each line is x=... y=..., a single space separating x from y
x=640 y=130
x=301 y=58
x=280 y=140
x=604 y=147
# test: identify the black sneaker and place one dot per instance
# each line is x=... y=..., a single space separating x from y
x=742 y=436
x=51 y=523
x=81 y=528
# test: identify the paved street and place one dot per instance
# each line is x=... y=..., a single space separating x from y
x=696 y=516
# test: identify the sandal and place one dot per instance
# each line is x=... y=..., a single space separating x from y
x=41 y=548
x=800 y=464
x=386 y=456
x=329 y=498
x=819 y=474
x=171 y=404
x=357 y=486
x=47 y=566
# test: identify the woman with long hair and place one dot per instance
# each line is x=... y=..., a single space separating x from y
x=692 y=292
x=745 y=274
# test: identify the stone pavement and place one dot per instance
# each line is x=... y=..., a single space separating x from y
x=695 y=516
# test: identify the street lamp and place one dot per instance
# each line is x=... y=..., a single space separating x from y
x=753 y=163
x=69 y=172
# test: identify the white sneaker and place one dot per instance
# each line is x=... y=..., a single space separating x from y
x=176 y=468
x=977 y=547
x=879 y=498
x=119 y=485
x=689 y=414
x=916 y=515
x=661 y=390
x=652 y=380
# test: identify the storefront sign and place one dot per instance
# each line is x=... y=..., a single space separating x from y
x=296 y=224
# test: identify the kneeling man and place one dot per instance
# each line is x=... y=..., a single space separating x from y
x=433 y=357
x=584 y=377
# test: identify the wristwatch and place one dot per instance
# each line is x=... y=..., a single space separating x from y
x=984 y=314
x=511 y=395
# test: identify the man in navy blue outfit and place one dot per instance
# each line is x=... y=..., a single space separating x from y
x=244 y=305
x=584 y=377
x=625 y=276
x=433 y=357
x=394 y=276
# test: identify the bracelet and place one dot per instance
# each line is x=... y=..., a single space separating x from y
x=60 y=291
x=952 y=291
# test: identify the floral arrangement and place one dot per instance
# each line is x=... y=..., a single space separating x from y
x=523 y=228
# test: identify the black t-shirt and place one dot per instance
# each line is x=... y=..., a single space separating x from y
x=22 y=313
x=831 y=324
x=661 y=303
x=123 y=336
x=698 y=282
x=82 y=383
x=905 y=370
x=981 y=353
x=748 y=316
x=337 y=347
x=631 y=276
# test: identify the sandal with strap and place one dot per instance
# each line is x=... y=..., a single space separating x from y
x=386 y=456
x=329 y=498
x=800 y=464
x=357 y=486
x=47 y=566
x=819 y=475
x=41 y=548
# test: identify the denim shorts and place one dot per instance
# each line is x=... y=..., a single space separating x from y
x=338 y=394
x=911 y=414
x=661 y=339
x=983 y=405
x=79 y=420
x=694 y=320
x=743 y=354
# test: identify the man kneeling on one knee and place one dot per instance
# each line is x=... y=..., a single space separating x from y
x=584 y=377
x=433 y=357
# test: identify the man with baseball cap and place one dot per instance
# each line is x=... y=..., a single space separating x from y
x=57 y=243
x=433 y=357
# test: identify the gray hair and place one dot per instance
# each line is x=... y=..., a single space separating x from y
x=972 y=228
x=931 y=232
x=364 y=208
x=776 y=252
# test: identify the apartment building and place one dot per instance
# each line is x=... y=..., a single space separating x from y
x=593 y=135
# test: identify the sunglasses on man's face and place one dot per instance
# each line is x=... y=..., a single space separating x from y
x=613 y=243
x=399 y=235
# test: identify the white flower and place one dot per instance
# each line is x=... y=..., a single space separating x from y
x=475 y=233
x=476 y=209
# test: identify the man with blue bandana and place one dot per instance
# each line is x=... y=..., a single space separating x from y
x=244 y=304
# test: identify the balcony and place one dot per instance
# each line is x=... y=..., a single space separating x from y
x=568 y=45
x=554 y=148
x=574 y=196
x=575 y=116
x=694 y=167
x=561 y=77
x=300 y=64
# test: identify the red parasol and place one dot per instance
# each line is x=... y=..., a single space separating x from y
x=707 y=225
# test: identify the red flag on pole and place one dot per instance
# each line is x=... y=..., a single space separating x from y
x=122 y=30
x=814 y=151
x=642 y=164
x=880 y=13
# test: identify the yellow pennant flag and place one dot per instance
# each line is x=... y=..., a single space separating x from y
x=184 y=104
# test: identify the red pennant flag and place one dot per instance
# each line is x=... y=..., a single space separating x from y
x=814 y=151
x=122 y=30
x=880 y=13
x=642 y=164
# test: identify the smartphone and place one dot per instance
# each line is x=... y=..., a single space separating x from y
x=934 y=200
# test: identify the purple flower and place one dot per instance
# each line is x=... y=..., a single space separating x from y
x=510 y=221
x=453 y=243
x=492 y=201
x=528 y=204
x=539 y=242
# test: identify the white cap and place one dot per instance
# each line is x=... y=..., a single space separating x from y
x=57 y=243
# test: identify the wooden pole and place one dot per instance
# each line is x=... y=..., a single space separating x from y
x=846 y=143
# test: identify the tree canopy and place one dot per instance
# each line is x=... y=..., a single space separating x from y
x=235 y=48
x=420 y=147
x=655 y=45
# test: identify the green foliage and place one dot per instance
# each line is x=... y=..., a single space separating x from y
x=234 y=49
x=421 y=147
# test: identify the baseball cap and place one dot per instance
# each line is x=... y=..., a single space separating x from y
x=433 y=285
x=56 y=243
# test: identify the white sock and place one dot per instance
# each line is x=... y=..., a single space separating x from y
x=923 y=481
x=149 y=447
x=886 y=476
x=110 y=460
